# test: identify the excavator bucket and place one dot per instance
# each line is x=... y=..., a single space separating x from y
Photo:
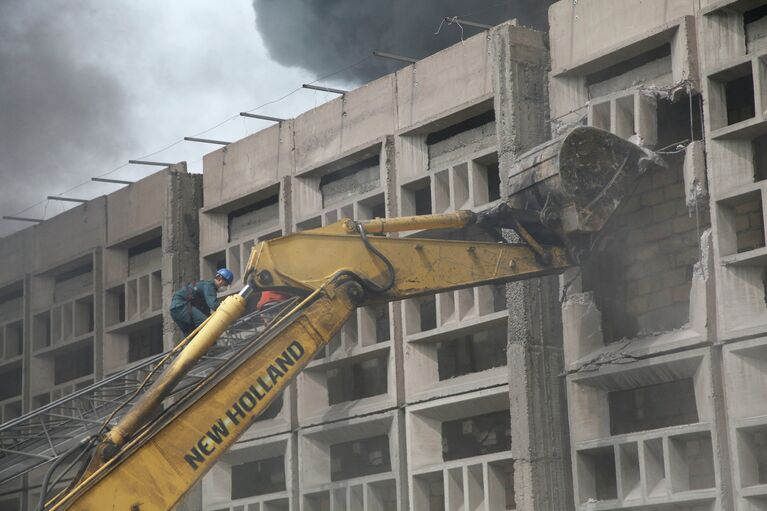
x=570 y=187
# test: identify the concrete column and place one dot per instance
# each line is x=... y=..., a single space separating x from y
x=26 y=395
x=519 y=67
x=539 y=436
x=180 y=240
x=98 y=313
x=180 y=264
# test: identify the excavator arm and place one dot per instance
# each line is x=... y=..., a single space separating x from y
x=148 y=462
x=341 y=268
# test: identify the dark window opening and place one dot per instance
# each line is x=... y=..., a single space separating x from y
x=455 y=129
x=472 y=353
x=627 y=65
x=14 y=339
x=764 y=284
x=493 y=182
x=754 y=14
x=381 y=312
x=10 y=505
x=40 y=400
x=423 y=201
x=145 y=246
x=359 y=458
x=121 y=305
x=739 y=94
x=145 y=342
x=215 y=262
x=653 y=407
x=428 y=313
x=258 y=477
x=13 y=292
x=499 y=298
x=749 y=224
x=416 y=198
x=599 y=466
x=476 y=436
x=674 y=120
x=42 y=330
x=378 y=210
x=760 y=158
x=72 y=365
x=755 y=25
x=358 y=381
x=74 y=272
x=10 y=384
x=754 y=447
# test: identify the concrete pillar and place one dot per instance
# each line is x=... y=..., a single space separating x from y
x=180 y=264
x=180 y=240
x=98 y=313
x=26 y=394
x=539 y=436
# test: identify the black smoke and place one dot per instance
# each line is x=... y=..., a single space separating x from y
x=324 y=36
x=60 y=114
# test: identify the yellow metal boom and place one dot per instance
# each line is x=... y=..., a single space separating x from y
x=145 y=465
x=566 y=190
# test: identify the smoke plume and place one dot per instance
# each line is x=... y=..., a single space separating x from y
x=59 y=113
x=327 y=35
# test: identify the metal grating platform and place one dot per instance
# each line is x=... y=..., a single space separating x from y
x=41 y=436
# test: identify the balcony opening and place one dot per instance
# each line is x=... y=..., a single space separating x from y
x=10 y=383
x=476 y=436
x=653 y=407
x=73 y=364
x=259 y=477
x=597 y=474
x=145 y=342
x=213 y=263
x=358 y=380
x=416 y=198
x=359 y=458
x=739 y=95
x=472 y=353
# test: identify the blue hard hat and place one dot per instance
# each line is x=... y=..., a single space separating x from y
x=226 y=274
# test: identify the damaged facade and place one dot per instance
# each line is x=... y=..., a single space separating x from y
x=632 y=381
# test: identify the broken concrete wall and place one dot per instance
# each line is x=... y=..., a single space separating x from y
x=641 y=270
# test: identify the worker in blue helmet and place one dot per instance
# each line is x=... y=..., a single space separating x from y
x=194 y=302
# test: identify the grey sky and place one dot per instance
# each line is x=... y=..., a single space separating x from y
x=86 y=85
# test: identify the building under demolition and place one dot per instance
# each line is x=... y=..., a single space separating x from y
x=635 y=381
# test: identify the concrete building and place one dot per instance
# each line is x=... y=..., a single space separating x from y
x=631 y=382
x=86 y=292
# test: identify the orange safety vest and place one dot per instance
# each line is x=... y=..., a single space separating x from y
x=268 y=297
